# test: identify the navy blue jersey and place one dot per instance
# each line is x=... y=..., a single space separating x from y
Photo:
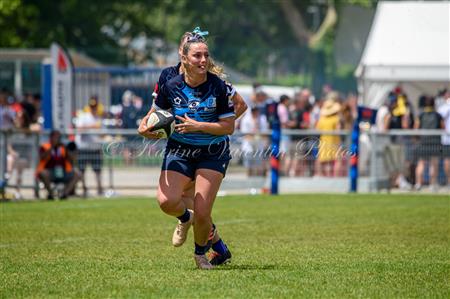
x=173 y=71
x=207 y=102
x=166 y=74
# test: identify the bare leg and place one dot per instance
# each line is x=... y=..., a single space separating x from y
x=10 y=163
x=44 y=176
x=20 y=166
x=336 y=167
x=98 y=176
x=294 y=166
x=419 y=172
x=447 y=170
x=68 y=188
x=188 y=195
x=206 y=186
x=170 y=189
x=188 y=198
x=83 y=182
x=434 y=166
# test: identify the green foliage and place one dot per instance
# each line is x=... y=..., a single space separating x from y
x=345 y=79
x=363 y=3
x=8 y=6
x=244 y=34
x=290 y=246
x=293 y=80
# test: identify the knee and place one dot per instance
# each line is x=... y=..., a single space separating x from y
x=202 y=218
x=167 y=202
x=44 y=175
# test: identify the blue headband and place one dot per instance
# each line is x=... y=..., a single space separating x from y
x=197 y=35
x=199 y=32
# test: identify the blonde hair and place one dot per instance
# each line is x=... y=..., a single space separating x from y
x=183 y=39
x=212 y=67
x=216 y=69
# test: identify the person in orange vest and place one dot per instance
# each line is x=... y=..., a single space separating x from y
x=55 y=166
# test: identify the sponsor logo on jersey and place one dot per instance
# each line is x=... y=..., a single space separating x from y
x=230 y=102
x=193 y=105
x=211 y=102
x=177 y=101
x=230 y=89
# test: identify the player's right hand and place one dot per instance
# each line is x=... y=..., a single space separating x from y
x=143 y=130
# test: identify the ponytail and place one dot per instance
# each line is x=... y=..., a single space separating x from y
x=216 y=69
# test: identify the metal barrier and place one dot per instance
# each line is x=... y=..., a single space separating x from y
x=130 y=164
x=19 y=151
x=395 y=156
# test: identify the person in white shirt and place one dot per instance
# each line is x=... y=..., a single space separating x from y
x=253 y=144
x=444 y=111
x=90 y=146
x=285 y=141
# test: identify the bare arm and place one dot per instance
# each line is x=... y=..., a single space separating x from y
x=387 y=120
x=417 y=123
x=143 y=130
x=45 y=154
x=225 y=126
x=405 y=121
x=239 y=105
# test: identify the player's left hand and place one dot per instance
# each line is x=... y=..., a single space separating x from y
x=188 y=125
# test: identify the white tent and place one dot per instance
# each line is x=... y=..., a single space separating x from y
x=408 y=45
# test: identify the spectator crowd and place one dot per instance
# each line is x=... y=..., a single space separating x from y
x=305 y=150
x=313 y=153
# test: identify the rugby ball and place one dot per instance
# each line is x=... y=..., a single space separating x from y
x=162 y=122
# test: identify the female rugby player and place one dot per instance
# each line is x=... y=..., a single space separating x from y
x=220 y=254
x=199 y=149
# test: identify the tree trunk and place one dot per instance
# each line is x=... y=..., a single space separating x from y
x=298 y=27
x=295 y=20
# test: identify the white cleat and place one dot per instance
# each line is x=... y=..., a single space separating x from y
x=181 y=231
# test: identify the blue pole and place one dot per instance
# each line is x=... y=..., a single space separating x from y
x=275 y=157
x=365 y=114
x=354 y=149
x=46 y=72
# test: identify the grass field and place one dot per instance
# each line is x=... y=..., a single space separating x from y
x=345 y=246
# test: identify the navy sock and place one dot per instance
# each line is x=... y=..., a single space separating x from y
x=219 y=247
x=212 y=233
x=200 y=250
x=185 y=217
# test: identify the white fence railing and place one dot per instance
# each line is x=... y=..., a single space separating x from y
x=130 y=162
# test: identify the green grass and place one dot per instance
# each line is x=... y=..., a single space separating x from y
x=323 y=246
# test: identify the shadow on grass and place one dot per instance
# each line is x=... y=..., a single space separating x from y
x=246 y=267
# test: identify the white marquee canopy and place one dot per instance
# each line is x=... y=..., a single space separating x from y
x=408 y=45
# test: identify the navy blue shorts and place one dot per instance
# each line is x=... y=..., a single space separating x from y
x=186 y=159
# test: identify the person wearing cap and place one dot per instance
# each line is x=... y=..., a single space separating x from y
x=329 y=120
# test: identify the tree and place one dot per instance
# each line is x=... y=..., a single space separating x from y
x=303 y=34
x=103 y=29
x=251 y=36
